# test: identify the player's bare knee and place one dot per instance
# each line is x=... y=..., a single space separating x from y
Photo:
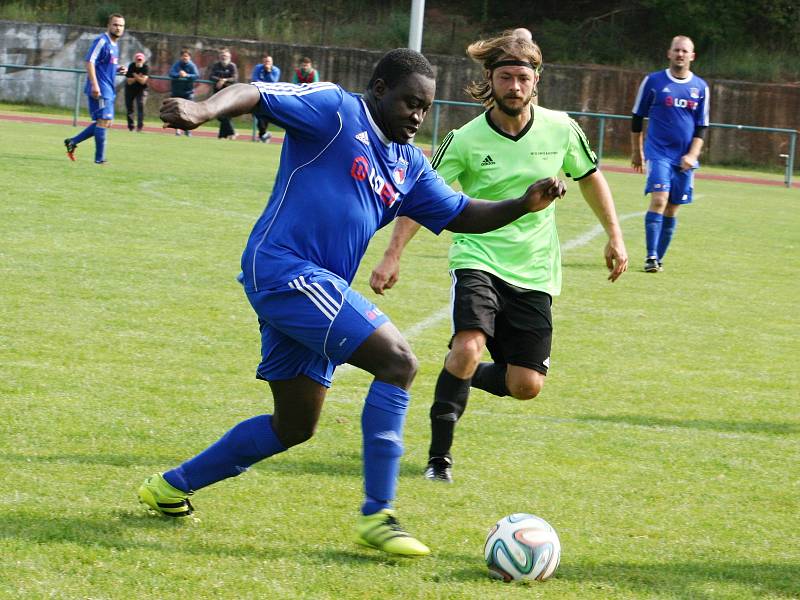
x=401 y=369
x=466 y=354
x=527 y=389
x=296 y=434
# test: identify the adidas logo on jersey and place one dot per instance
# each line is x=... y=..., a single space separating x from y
x=363 y=138
x=487 y=161
x=666 y=89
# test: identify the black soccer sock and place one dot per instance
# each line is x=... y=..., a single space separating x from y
x=449 y=402
x=491 y=377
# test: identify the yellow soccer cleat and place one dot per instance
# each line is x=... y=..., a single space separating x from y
x=383 y=532
x=160 y=497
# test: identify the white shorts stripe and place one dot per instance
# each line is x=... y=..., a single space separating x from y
x=325 y=310
x=323 y=298
x=322 y=291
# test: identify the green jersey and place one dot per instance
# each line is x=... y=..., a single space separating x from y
x=492 y=165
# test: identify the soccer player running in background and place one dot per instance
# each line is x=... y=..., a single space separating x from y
x=677 y=104
x=347 y=168
x=504 y=280
x=102 y=65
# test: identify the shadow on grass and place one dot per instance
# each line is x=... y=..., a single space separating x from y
x=124 y=530
x=112 y=460
x=702 y=424
x=681 y=580
x=344 y=464
x=589 y=264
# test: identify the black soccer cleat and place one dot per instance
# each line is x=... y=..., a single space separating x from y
x=71 y=147
x=440 y=468
x=651 y=265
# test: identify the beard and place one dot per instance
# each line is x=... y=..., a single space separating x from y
x=510 y=110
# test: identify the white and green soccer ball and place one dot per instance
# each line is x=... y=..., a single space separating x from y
x=520 y=547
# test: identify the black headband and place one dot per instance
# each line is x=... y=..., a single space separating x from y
x=511 y=63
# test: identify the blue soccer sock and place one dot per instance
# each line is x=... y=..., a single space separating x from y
x=245 y=444
x=99 y=144
x=85 y=134
x=382 y=428
x=652 y=230
x=668 y=228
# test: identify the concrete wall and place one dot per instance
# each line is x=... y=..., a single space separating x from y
x=571 y=88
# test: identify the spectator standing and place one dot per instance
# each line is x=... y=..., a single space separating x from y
x=136 y=89
x=222 y=74
x=265 y=72
x=305 y=73
x=183 y=75
x=102 y=66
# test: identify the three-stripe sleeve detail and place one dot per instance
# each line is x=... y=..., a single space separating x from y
x=439 y=155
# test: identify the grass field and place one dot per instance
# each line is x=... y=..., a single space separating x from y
x=664 y=448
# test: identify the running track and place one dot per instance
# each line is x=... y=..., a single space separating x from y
x=275 y=139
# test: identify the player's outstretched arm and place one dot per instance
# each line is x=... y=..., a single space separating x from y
x=232 y=101
x=481 y=216
x=387 y=271
x=597 y=194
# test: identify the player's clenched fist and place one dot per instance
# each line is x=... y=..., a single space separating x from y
x=183 y=114
x=542 y=193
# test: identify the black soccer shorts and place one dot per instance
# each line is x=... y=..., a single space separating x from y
x=518 y=323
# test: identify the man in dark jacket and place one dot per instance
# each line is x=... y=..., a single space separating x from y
x=224 y=73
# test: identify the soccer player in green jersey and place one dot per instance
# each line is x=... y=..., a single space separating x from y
x=504 y=280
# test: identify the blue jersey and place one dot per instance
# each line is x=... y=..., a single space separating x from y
x=675 y=107
x=104 y=54
x=340 y=180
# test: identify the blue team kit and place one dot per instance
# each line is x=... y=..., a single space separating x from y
x=104 y=54
x=678 y=107
x=340 y=180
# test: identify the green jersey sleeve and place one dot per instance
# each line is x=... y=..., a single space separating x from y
x=579 y=160
x=447 y=160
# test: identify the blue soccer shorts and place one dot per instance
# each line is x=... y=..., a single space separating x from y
x=311 y=325
x=663 y=176
x=101 y=108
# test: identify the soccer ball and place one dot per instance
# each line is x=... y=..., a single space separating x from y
x=522 y=546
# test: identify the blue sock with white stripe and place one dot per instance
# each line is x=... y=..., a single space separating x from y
x=245 y=444
x=382 y=428
x=99 y=144
x=668 y=228
x=652 y=230
x=85 y=134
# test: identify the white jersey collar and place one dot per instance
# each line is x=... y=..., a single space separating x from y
x=386 y=141
x=675 y=79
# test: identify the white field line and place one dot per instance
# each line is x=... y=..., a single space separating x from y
x=414 y=330
x=149 y=188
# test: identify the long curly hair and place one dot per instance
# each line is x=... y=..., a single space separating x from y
x=488 y=52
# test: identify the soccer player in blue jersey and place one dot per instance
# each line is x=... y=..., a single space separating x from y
x=102 y=66
x=676 y=101
x=347 y=168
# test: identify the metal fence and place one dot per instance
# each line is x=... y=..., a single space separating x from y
x=437 y=107
x=601 y=128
